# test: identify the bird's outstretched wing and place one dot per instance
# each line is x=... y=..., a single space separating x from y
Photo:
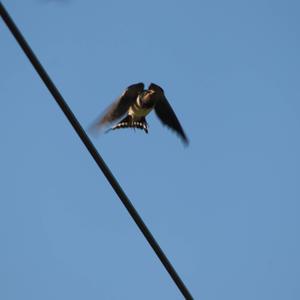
x=118 y=108
x=165 y=112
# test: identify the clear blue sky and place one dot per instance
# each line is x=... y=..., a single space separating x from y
x=225 y=210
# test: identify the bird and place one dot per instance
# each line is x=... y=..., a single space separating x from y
x=135 y=104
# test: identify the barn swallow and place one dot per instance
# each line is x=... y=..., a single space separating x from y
x=136 y=103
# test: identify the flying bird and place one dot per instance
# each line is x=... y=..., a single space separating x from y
x=135 y=104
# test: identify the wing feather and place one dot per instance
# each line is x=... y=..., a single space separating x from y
x=166 y=114
x=119 y=107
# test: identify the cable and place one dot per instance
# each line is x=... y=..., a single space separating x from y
x=92 y=150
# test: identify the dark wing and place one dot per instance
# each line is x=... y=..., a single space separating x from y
x=119 y=108
x=166 y=114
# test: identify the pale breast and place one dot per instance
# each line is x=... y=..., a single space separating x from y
x=137 y=112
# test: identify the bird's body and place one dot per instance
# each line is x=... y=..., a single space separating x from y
x=136 y=103
x=142 y=106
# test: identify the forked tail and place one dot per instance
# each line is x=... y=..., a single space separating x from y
x=128 y=122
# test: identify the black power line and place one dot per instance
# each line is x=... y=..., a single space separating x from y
x=91 y=148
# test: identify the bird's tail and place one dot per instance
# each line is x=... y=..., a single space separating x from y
x=128 y=122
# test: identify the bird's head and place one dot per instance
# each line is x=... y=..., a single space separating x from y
x=147 y=98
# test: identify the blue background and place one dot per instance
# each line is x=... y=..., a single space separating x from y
x=225 y=209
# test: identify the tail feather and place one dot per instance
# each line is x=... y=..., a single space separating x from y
x=128 y=122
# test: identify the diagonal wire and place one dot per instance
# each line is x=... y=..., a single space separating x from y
x=92 y=150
